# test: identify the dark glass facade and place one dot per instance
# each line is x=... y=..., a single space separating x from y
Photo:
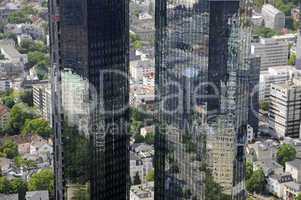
x=254 y=75
x=202 y=49
x=89 y=52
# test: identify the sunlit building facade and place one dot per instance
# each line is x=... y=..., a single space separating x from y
x=202 y=48
x=89 y=54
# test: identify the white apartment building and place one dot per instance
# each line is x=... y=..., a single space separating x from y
x=285 y=108
x=273 y=18
x=279 y=74
x=42 y=100
x=272 y=52
x=294 y=168
x=298 y=51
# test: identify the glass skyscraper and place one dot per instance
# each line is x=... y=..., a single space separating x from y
x=202 y=49
x=89 y=54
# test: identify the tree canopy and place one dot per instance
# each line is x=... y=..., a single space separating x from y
x=285 y=153
x=256 y=183
x=9 y=149
x=18 y=115
x=37 y=126
x=42 y=180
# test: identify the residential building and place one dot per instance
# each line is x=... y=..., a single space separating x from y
x=13 y=63
x=294 y=168
x=37 y=195
x=142 y=192
x=144 y=131
x=276 y=182
x=273 y=18
x=89 y=44
x=6 y=10
x=4 y=116
x=271 y=51
x=285 y=109
x=199 y=42
x=42 y=99
x=298 y=51
x=291 y=190
x=264 y=151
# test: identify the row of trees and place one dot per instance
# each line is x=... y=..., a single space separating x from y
x=43 y=180
x=22 y=16
x=23 y=117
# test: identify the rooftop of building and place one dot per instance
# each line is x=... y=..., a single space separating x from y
x=42 y=194
x=295 y=163
x=144 y=191
x=271 y=9
x=9 y=196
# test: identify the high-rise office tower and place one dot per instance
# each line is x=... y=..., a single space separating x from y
x=298 y=59
x=202 y=48
x=89 y=54
x=254 y=75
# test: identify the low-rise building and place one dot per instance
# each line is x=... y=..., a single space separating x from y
x=142 y=192
x=291 y=190
x=9 y=196
x=273 y=18
x=275 y=183
x=294 y=168
x=147 y=130
x=37 y=195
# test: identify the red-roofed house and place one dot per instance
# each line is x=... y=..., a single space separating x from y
x=4 y=116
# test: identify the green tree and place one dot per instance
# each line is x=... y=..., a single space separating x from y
x=265 y=105
x=37 y=126
x=150 y=138
x=36 y=57
x=137 y=180
x=285 y=153
x=292 y=59
x=27 y=164
x=42 y=71
x=42 y=180
x=9 y=148
x=138 y=138
x=264 y=32
x=214 y=191
x=298 y=196
x=259 y=3
x=4 y=185
x=18 y=186
x=135 y=127
x=26 y=97
x=150 y=176
x=8 y=101
x=18 y=18
x=257 y=182
x=18 y=115
x=249 y=170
